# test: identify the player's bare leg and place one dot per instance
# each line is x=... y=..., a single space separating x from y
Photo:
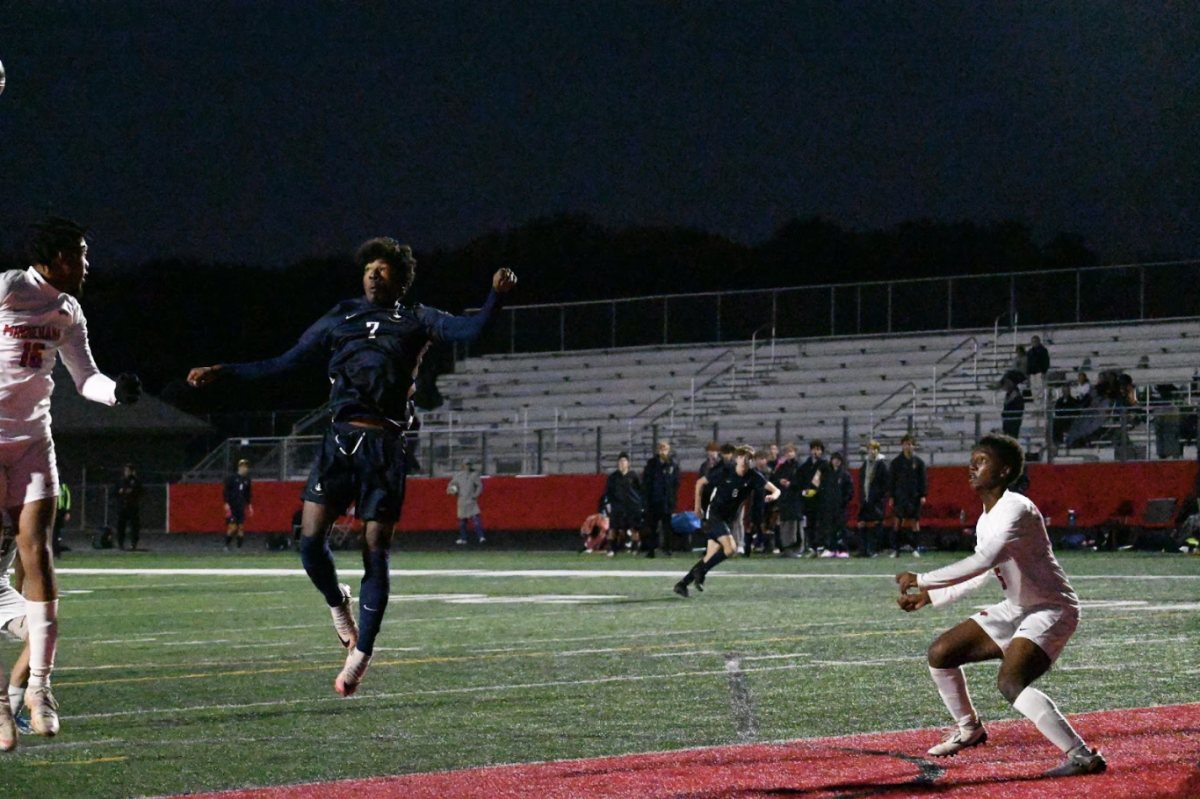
x=372 y=602
x=964 y=643
x=315 y=522
x=35 y=520
x=1024 y=661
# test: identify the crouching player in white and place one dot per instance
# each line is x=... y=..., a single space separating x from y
x=41 y=320
x=12 y=623
x=1026 y=632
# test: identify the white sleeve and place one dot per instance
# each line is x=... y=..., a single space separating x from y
x=940 y=597
x=1007 y=525
x=76 y=353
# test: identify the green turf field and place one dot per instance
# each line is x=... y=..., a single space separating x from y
x=178 y=683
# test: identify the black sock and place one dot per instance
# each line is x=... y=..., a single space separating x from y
x=239 y=542
x=695 y=570
x=228 y=538
x=714 y=561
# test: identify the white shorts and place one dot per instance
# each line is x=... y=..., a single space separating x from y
x=12 y=613
x=1048 y=626
x=28 y=472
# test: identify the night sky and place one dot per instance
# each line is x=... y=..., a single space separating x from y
x=264 y=132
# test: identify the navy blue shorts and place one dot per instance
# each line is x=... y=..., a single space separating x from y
x=236 y=515
x=363 y=466
x=716 y=529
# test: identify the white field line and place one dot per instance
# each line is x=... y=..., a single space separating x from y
x=606 y=573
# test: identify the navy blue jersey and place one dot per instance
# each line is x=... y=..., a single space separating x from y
x=727 y=490
x=372 y=354
x=237 y=491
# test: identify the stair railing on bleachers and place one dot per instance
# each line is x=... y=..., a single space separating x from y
x=754 y=347
x=911 y=402
x=939 y=374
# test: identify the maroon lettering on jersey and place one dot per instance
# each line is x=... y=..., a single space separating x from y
x=33 y=331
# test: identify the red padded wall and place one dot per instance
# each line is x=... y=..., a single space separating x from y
x=1098 y=492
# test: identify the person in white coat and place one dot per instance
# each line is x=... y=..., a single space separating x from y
x=466 y=486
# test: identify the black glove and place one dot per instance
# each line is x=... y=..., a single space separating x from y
x=128 y=389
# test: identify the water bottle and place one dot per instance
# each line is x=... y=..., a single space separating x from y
x=1071 y=518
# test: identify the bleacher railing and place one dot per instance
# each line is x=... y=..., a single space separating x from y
x=1088 y=295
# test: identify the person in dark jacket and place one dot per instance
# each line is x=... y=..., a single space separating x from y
x=790 y=503
x=873 y=489
x=839 y=493
x=811 y=475
x=1037 y=358
x=660 y=482
x=908 y=488
x=129 y=507
x=623 y=504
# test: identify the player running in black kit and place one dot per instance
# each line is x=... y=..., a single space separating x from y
x=372 y=349
x=725 y=489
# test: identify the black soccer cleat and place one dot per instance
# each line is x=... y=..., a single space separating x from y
x=680 y=589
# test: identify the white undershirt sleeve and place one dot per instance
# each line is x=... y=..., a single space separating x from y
x=940 y=597
x=76 y=353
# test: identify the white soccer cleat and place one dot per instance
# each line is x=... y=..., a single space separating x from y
x=1081 y=763
x=343 y=620
x=8 y=727
x=352 y=673
x=959 y=740
x=42 y=710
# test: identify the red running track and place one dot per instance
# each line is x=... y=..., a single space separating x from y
x=1152 y=754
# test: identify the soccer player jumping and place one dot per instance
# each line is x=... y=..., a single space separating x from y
x=372 y=348
x=1026 y=632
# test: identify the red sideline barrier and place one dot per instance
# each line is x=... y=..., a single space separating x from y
x=1098 y=492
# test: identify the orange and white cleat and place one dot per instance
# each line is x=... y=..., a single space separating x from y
x=352 y=673
x=43 y=715
x=8 y=727
x=343 y=620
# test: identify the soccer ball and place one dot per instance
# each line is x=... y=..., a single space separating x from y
x=452 y=490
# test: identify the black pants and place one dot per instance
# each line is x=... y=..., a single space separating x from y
x=658 y=530
x=129 y=516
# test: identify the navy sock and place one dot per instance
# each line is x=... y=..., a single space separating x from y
x=318 y=563
x=372 y=597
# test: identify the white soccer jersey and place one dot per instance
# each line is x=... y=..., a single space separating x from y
x=1012 y=543
x=37 y=324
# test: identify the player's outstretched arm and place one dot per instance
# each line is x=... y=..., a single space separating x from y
x=203 y=375
x=504 y=280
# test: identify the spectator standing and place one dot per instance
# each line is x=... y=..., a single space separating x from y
x=810 y=475
x=237 y=503
x=129 y=507
x=790 y=502
x=712 y=456
x=466 y=486
x=1038 y=362
x=1014 y=407
x=1167 y=421
x=838 y=495
x=623 y=502
x=908 y=487
x=61 y=518
x=660 y=481
x=873 y=487
x=772 y=456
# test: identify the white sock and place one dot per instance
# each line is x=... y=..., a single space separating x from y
x=1041 y=710
x=42 y=618
x=952 y=685
x=16 y=698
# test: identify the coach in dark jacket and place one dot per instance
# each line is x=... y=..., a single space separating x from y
x=660 y=482
x=873 y=486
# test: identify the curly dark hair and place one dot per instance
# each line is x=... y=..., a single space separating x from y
x=391 y=252
x=54 y=235
x=1009 y=451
